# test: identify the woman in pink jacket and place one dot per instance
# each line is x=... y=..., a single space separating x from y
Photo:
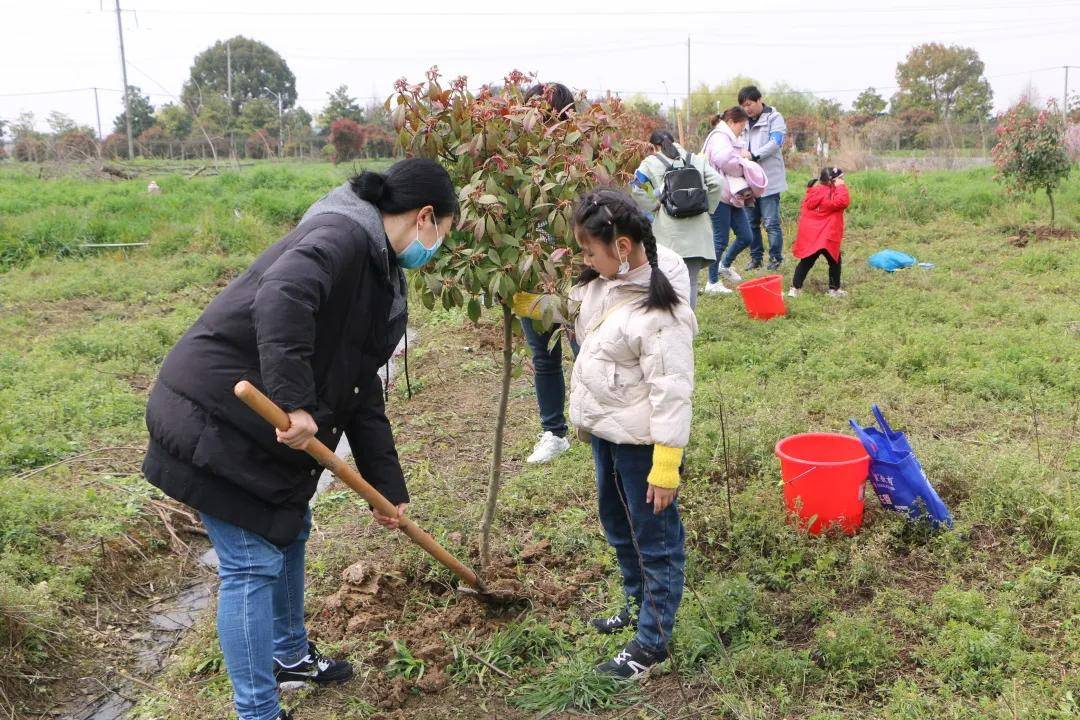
x=726 y=152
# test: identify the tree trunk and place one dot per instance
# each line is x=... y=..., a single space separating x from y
x=500 y=424
x=1050 y=196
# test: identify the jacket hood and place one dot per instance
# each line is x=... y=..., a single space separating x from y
x=766 y=110
x=723 y=127
x=343 y=201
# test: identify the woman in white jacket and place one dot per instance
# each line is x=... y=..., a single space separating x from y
x=690 y=237
x=630 y=391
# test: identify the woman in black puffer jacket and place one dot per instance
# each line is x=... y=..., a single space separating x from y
x=309 y=323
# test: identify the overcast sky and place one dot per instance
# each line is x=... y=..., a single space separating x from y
x=835 y=48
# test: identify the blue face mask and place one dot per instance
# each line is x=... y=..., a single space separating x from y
x=416 y=255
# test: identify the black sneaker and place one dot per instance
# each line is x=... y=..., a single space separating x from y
x=314 y=667
x=632 y=662
x=775 y=264
x=753 y=265
x=284 y=716
x=614 y=623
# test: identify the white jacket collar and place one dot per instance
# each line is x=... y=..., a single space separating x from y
x=637 y=280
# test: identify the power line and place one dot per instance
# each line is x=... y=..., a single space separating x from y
x=674 y=12
x=50 y=92
x=898 y=39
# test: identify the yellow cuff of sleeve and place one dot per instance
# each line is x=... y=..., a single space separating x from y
x=665 y=466
x=526 y=305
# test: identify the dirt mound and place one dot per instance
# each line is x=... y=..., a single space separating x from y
x=1041 y=233
x=372 y=598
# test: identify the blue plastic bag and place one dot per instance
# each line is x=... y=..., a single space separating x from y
x=896 y=475
x=890 y=260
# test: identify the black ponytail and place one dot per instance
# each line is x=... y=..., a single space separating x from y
x=827 y=177
x=664 y=140
x=408 y=185
x=605 y=215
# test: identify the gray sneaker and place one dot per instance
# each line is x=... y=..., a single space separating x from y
x=729 y=273
x=632 y=663
x=609 y=625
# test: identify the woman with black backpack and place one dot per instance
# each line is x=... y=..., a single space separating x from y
x=679 y=190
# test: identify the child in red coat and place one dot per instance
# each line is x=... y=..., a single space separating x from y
x=821 y=229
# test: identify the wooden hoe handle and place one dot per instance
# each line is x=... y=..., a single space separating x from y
x=265 y=407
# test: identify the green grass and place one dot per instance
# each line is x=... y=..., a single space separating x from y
x=233 y=212
x=895 y=622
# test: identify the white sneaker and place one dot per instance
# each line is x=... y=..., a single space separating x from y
x=729 y=273
x=548 y=446
x=716 y=288
x=838 y=293
x=793 y=292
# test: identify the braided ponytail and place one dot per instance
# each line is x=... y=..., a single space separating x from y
x=661 y=294
x=607 y=214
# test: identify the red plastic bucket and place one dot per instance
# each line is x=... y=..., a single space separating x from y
x=824 y=480
x=764 y=297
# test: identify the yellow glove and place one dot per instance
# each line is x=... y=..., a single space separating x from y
x=527 y=305
x=665 y=466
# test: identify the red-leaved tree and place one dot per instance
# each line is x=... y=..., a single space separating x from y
x=519 y=168
x=1030 y=154
x=347 y=138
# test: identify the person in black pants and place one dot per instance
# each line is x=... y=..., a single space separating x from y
x=808 y=262
x=821 y=229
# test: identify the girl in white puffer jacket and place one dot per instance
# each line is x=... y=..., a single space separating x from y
x=630 y=391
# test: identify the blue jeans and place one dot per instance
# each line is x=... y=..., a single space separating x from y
x=767 y=211
x=653 y=579
x=725 y=219
x=548 y=376
x=260 y=612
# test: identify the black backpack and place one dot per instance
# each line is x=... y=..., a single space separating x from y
x=684 y=193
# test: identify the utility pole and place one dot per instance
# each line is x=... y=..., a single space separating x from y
x=688 y=88
x=280 y=121
x=127 y=95
x=228 y=91
x=1065 y=100
x=97 y=111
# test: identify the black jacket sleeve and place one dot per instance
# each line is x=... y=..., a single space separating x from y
x=372 y=444
x=284 y=312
